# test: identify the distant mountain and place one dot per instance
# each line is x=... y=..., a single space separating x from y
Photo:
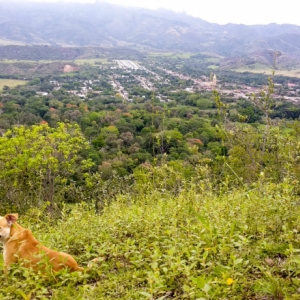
x=107 y=25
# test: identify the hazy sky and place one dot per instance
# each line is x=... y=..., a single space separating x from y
x=221 y=11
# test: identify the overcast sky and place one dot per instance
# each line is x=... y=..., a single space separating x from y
x=221 y=11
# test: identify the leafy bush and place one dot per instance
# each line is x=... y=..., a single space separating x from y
x=38 y=162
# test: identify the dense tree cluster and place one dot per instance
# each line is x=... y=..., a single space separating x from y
x=237 y=139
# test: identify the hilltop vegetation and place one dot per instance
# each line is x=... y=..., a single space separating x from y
x=151 y=244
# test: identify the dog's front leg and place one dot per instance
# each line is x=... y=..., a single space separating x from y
x=5 y=271
x=9 y=258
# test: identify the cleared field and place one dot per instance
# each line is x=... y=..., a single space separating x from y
x=13 y=61
x=207 y=56
x=11 y=83
x=69 y=74
x=256 y=66
x=158 y=54
x=91 y=61
x=259 y=68
x=8 y=42
x=212 y=59
x=170 y=54
x=213 y=67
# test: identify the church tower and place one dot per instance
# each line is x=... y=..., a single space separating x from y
x=214 y=80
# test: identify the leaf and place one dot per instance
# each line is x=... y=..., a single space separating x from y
x=232 y=229
x=146 y=294
x=186 y=288
x=238 y=261
x=25 y=297
x=206 y=288
x=199 y=281
x=202 y=219
x=163 y=297
x=205 y=254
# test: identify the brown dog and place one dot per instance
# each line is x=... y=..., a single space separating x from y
x=20 y=246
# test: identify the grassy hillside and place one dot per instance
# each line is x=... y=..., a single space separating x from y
x=170 y=54
x=240 y=244
x=258 y=68
x=4 y=42
x=91 y=61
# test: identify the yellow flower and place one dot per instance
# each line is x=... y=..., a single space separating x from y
x=229 y=281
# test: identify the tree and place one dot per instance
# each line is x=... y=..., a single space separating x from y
x=38 y=162
x=127 y=138
x=166 y=139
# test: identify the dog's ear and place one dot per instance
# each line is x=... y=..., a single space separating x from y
x=11 y=218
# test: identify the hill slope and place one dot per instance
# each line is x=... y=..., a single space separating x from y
x=103 y=24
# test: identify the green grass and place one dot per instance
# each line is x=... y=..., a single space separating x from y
x=255 y=68
x=212 y=59
x=69 y=74
x=158 y=54
x=91 y=61
x=11 y=83
x=213 y=67
x=242 y=244
x=9 y=42
x=171 y=54
x=260 y=68
x=13 y=61
x=209 y=57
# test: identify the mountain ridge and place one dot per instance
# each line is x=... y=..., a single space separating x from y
x=107 y=25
